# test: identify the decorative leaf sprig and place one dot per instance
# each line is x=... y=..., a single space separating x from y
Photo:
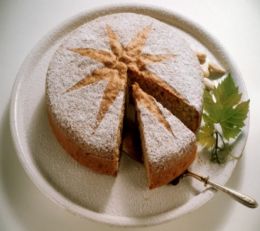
x=224 y=114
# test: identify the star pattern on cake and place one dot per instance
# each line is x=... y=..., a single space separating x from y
x=116 y=64
x=150 y=103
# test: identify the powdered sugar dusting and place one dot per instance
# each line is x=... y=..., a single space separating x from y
x=160 y=143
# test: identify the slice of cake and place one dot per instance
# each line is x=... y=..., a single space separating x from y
x=169 y=147
x=88 y=77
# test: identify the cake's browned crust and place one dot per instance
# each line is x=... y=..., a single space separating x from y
x=162 y=176
x=94 y=162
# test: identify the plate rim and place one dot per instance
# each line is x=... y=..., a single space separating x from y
x=39 y=180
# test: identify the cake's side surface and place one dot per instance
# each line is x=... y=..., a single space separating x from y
x=169 y=147
x=94 y=162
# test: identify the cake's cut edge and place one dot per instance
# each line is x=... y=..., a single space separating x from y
x=163 y=173
x=169 y=98
x=131 y=144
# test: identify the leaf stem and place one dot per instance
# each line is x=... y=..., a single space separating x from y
x=217 y=148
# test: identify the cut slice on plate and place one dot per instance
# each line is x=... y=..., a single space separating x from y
x=168 y=146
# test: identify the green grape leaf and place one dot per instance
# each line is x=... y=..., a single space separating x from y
x=233 y=121
x=222 y=106
x=206 y=136
x=223 y=114
x=227 y=92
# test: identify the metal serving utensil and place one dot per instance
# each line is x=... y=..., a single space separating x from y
x=241 y=198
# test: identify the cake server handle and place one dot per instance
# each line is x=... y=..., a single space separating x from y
x=241 y=198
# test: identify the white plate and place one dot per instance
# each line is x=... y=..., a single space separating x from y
x=124 y=200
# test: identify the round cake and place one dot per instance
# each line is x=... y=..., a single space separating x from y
x=90 y=74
